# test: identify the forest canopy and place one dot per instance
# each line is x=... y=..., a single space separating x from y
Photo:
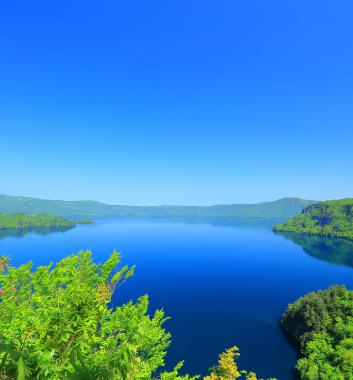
x=322 y=324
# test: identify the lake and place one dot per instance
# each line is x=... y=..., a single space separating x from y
x=222 y=283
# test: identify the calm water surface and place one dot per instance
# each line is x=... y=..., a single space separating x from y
x=222 y=285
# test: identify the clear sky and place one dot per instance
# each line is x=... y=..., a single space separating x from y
x=176 y=101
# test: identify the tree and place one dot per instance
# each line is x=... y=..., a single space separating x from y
x=227 y=368
x=58 y=321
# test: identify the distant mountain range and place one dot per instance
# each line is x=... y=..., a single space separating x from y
x=281 y=208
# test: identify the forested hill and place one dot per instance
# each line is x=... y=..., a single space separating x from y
x=22 y=221
x=282 y=208
x=329 y=218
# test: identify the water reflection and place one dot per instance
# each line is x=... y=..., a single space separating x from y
x=332 y=250
x=19 y=233
x=231 y=221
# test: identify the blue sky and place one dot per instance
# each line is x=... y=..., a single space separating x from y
x=178 y=101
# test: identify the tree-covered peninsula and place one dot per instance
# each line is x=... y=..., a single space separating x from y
x=329 y=218
x=58 y=323
x=23 y=222
x=322 y=325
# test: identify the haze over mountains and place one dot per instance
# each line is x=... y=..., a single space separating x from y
x=281 y=208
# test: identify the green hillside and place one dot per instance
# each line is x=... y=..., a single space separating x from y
x=329 y=218
x=22 y=221
x=282 y=208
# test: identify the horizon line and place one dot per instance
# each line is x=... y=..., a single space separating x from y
x=159 y=205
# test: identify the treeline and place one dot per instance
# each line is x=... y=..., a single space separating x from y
x=329 y=218
x=58 y=323
x=22 y=221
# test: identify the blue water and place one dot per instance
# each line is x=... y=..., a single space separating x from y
x=222 y=285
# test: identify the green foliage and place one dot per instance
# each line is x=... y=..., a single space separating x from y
x=329 y=218
x=174 y=375
x=322 y=324
x=281 y=208
x=56 y=323
x=22 y=221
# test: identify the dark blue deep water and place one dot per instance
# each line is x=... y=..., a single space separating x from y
x=222 y=284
